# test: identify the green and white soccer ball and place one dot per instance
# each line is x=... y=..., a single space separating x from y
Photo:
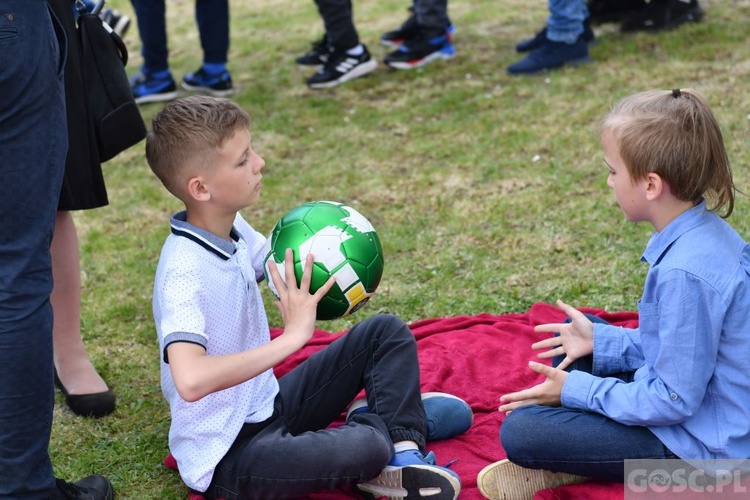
x=344 y=244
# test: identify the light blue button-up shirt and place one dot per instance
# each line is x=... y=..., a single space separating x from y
x=691 y=352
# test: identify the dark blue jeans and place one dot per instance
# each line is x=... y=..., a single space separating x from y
x=574 y=441
x=212 y=17
x=292 y=453
x=33 y=145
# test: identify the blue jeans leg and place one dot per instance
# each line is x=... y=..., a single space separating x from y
x=565 y=21
x=33 y=145
x=296 y=453
x=152 y=27
x=212 y=17
x=575 y=441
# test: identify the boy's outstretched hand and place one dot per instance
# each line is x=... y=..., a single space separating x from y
x=547 y=393
x=297 y=305
x=576 y=338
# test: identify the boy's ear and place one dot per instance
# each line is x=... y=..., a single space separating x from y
x=655 y=186
x=196 y=189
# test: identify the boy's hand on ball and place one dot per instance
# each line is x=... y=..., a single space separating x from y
x=297 y=305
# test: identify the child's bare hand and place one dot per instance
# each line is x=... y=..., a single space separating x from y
x=297 y=305
x=575 y=341
x=547 y=393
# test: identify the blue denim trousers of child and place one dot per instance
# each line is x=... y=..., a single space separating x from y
x=212 y=17
x=33 y=145
x=574 y=441
x=294 y=452
x=565 y=21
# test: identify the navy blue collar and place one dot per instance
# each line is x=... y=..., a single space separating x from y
x=219 y=246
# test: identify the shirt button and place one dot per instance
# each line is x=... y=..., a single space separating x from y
x=673 y=396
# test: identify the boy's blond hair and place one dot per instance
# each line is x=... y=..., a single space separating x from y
x=187 y=132
x=674 y=134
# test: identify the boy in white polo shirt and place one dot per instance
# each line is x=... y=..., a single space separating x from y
x=237 y=431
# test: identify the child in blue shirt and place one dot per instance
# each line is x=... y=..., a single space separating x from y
x=678 y=385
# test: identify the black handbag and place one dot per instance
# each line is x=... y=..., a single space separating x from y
x=117 y=119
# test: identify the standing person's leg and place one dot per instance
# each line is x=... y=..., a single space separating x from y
x=152 y=27
x=85 y=391
x=338 y=21
x=432 y=16
x=33 y=142
x=431 y=39
x=565 y=21
x=212 y=17
x=154 y=82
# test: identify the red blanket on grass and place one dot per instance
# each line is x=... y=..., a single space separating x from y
x=477 y=358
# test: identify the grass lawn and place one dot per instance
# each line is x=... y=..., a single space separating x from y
x=488 y=192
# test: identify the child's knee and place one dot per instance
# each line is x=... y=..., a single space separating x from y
x=518 y=431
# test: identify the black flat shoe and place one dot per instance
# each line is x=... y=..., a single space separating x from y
x=96 y=405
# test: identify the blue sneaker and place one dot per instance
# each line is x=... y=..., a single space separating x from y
x=552 y=55
x=447 y=415
x=217 y=85
x=147 y=87
x=411 y=474
x=421 y=50
x=408 y=30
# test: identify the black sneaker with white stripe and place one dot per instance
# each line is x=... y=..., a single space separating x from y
x=342 y=67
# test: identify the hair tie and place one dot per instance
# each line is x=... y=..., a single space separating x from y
x=676 y=93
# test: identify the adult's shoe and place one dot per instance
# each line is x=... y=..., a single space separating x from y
x=98 y=404
x=552 y=55
x=421 y=50
x=153 y=87
x=89 y=488
x=215 y=84
x=537 y=40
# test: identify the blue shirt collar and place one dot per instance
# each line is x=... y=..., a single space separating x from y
x=660 y=242
x=219 y=246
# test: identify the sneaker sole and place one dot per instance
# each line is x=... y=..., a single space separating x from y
x=159 y=97
x=505 y=480
x=413 y=482
x=208 y=90
x=435 y=56
x=360 y=70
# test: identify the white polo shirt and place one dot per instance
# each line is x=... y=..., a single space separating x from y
x=206 y=292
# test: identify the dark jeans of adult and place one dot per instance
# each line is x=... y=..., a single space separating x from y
x=577 y=442
x=212 y=17
x=378 y=355
x=33 y=144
